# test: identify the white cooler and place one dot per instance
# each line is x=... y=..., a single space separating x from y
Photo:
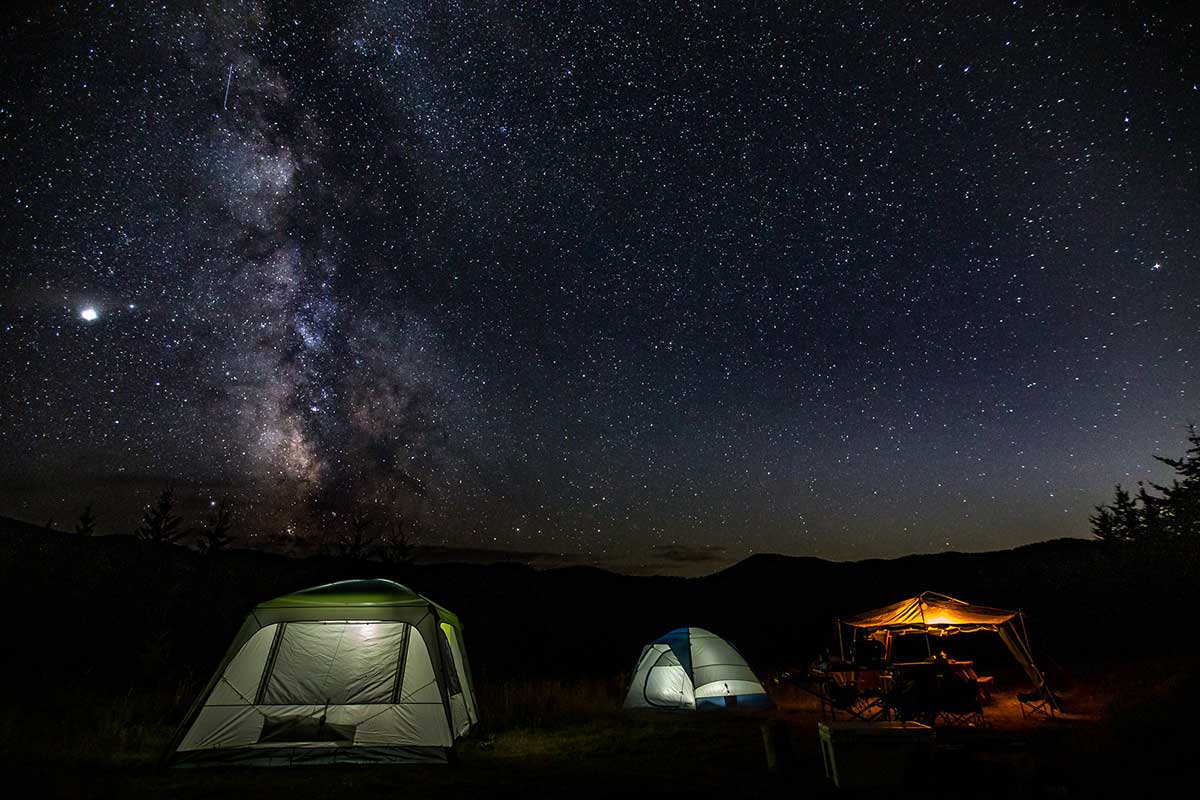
x=866 y=754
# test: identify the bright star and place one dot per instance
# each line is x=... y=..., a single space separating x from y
x=89 y=314
x=1156 y=266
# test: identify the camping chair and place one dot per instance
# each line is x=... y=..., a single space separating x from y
x=1040 y=702
x=957 y=703
x=846 y=698
x=985 y=682
x=905 y=700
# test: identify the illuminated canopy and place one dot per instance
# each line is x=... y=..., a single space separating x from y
x=936 y=614
x=930 y=610
x=364 y=671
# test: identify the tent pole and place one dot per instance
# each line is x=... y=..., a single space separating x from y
x=924 y=624
x=841 y=644
x=1010 y=635
x=1046 y=691
x=1028 y=649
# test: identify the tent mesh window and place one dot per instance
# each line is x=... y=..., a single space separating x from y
x=335 y=663
x=454 y=685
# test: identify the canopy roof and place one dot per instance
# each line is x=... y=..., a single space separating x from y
x=930 y=610
x=934 y=614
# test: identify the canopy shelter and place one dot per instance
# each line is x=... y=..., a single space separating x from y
x=936 y=614
x=361 y=671
x=691 y=668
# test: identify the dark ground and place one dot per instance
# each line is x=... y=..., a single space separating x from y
x=109 y=638
x=699 y=755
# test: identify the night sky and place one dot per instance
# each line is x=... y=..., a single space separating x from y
x=652 y=285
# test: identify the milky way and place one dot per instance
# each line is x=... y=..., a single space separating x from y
x=632 y=281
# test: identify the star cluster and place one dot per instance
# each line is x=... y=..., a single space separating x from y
x=603 y=278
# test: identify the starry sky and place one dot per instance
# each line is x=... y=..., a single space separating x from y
x=649 y=284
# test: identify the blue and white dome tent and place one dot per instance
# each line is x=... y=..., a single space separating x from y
x=691 y=668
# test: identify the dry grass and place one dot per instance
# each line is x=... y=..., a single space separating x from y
x=539 y=703
x=90 y=728
x=788 y=696
x=81 y=727
x=1151 y=710
x=573 y=734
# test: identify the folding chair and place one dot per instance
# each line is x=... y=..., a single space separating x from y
x=1040 y=702
x=906 y=701
x=984 y=682
x=958 y=704
x=841 y=697
x=846 y=698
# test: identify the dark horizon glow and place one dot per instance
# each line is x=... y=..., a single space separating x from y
x=635 y=283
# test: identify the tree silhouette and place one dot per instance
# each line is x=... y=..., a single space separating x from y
x=86 y=526
x=1104 y=524
x=395 y=548
x=359 y=537
x=1151 y=517
x=1172 y=517
x=159 y=524
x=215 y=536
x=1181 y=500
x=1125 y=512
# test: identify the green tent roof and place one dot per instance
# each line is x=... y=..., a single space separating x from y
x=359 y=593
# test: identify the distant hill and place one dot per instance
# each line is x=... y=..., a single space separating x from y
x=120 y=609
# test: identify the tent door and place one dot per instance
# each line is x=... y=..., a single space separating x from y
x=668 y=684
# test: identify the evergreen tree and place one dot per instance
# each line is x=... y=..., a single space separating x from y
x=86 y=526
x=1104 y=524
x=1173 y=517
x=159 y=523
x=1181 y=500
x=1152 y=517
x=1125 y=514
x=215 y=536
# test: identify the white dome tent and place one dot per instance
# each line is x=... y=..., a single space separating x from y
x=691 y=668
x=363 y=671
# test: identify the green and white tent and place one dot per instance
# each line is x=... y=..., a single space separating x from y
x=362 y=671
x=691 y=668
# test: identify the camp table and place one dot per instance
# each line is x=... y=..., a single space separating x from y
x=917 y=690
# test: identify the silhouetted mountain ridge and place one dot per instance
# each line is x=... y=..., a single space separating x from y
x=154 y=611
